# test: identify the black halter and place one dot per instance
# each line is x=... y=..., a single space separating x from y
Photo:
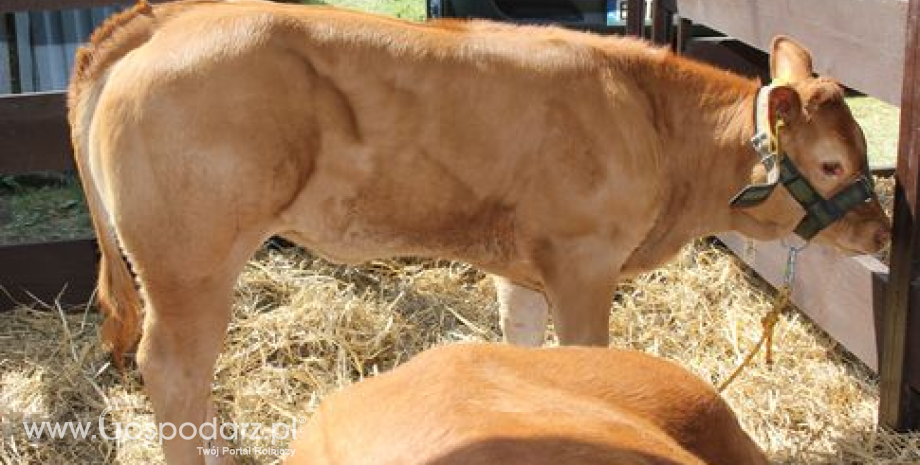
x=819 y=212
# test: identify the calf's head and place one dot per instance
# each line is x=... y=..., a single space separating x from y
x=814 y=128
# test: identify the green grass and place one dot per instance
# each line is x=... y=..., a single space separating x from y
x=879 y=121
x=45 y=213
x=406 y=9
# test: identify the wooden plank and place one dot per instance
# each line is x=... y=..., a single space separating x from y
x=859 y=42
x=10 y=6
x=885 y=169
x=728 y=53
x=834 y=290
x=57 y=271
x=908 y=162
x=912 y=357
x=897 y=403
x=34 y=135
x=684 y=34
x=879 y=294
x=911 y=369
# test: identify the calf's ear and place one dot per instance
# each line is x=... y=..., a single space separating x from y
x=789 y=61
x=784 y=104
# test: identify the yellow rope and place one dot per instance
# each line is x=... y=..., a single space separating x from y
x=782 y=295
x=766 y=337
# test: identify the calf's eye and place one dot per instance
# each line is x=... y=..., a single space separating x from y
x=831 y=169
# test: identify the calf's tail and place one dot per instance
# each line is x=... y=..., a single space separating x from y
x=117 y=293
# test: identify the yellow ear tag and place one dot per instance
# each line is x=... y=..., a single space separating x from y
x=775 y=145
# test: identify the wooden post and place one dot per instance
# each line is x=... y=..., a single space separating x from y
x=663 y=22
x=635 y=17
x=899 y=403
x=684 y=34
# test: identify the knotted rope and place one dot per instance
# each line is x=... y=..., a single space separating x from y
x=780 y=302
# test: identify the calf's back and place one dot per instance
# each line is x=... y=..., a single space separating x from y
x=488 y=404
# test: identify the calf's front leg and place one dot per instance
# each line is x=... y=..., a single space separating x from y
x=580 y=289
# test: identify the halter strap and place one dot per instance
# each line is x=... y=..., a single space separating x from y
x=819 y=212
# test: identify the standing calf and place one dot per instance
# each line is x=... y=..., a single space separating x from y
x=557 y=160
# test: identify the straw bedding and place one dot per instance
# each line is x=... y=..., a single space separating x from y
x=304 y=328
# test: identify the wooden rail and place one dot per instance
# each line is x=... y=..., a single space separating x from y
x=860 y=42
x=837 y=292
x=34 y=135
x=51 y=272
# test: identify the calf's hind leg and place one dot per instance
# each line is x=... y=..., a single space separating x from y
x=188 y=310
x=183 y=333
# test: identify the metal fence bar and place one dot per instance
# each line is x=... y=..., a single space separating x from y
x=24 y=54
x=6 y=68
x=77 y=26
x=10 y=6
x=98 y=15
x=48 y=50
x=45 y=45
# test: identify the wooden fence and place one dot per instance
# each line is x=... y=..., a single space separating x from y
x=859 y=301
x=38 y=39
x=870 y=309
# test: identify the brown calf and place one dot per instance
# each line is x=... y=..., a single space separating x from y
x=557 y=160
x=501 y=405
